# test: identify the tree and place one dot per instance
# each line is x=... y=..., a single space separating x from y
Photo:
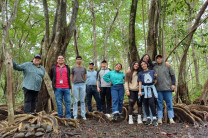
x=132 y=52
x=153 y=30
x=182 y=88
x=6 y=58
x=56 y=44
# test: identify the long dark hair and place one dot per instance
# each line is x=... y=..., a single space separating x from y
x=150 y=64
x=129 y=75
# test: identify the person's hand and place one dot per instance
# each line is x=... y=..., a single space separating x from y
x=167 y=64
x=98 y=89
x=128 y=71
x=140 y=93
x=128 y=93
x=173 y=87
x=155 y=74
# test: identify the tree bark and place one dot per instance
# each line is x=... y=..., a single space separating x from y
x=109 y=30
x=182 y=88
x=195 y=66
x=94 y=34
x=145 y=41
x=59 y=40
x=133 y=54
x=76 y=41
x=7 y=60
x=152 y=32
x=203 y=99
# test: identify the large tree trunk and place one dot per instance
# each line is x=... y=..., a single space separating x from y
x=203 y=99
x=133 y=54
x=7 y=60
x=153 y=29
x=57 y=44
x=182 y=88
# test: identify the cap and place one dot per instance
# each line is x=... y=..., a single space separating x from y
x=37 y=56
x=157 y=56
x=91 y=63
x=104 y=61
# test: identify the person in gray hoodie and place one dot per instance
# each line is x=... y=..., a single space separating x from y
x=165 y=86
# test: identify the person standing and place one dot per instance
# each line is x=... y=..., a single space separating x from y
x=91 y=88
x=147 y=80
x=60 y=76
x=78 y=77
x=165 y=86
x=116 y=78
x=33 y=74
x=104 y=88
x=132 y=90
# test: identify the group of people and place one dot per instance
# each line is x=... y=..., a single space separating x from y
x=145 y=83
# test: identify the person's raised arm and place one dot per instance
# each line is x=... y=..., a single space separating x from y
x=19 y=67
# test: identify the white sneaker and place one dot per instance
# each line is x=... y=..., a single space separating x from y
x=172 y=121
x=131 y=119
x=84 y=118
x=139 y=119
x=108 y=115
x=159 y=121
x=144 y=119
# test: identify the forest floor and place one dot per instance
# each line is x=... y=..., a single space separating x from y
x=93 y=129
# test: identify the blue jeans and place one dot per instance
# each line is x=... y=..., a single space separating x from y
x=117 y=93
x=92 y=91
x=169 y=102
x=60 y=93
x=78 y=90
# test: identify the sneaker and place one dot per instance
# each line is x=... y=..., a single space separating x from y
x=144 y=119
x=159 y=121
x=139 y=119
x=84 y=118
x=131 y=120
x=172 y=121
x=108 y=115
x=115 y=117
x=148 y=122
x=154 y=122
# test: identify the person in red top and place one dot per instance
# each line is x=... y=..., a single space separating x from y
x=60 y=76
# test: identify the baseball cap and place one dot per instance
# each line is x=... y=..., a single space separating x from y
x=37 y=56
x=157 y=56
x=91 y=63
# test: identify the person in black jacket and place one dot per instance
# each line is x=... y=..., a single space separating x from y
x=60 y=76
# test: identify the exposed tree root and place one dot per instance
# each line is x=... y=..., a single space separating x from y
x=40 y=119
x=194 y=114
x=98 y=115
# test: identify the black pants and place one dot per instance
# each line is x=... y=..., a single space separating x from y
x=105 y=96
x=133 y=97
x=30 y=100
x=150 y=102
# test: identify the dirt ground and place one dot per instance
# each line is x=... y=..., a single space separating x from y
x=93 y=129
